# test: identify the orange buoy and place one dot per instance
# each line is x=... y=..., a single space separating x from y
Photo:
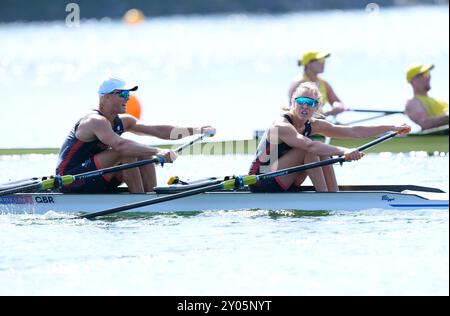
x=134 y=107
x=134 y=16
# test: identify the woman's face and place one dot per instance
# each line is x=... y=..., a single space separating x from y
x=305 y=105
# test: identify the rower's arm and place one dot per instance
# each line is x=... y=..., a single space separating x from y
x=292 y=138
x=417 y=113
x=344 y=131
x=171 y=132
x=101 y=128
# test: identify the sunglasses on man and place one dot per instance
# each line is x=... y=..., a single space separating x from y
x=123 y=94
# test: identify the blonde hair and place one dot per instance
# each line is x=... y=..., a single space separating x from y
x=312 y=89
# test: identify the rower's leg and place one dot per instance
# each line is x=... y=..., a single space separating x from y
x=295 y=157
x=106 y=159
x=132 y=177
x=148 y=174
x=330 y=176
x=316 y=174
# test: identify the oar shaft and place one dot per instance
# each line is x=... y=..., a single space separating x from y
x=304 y=167
x=26 y=188
x=118 y=168
x=161 y=199
x=377 y=141
x=181 y=148
x=377 y=111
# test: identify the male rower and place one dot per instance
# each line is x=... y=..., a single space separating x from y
x=95 y=143
x=422 y=109
x=313 y=63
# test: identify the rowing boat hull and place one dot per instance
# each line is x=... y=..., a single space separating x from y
x=40 y=203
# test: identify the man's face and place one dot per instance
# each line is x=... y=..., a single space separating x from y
x=317 y=66
x=423 y=81
x=118 y=100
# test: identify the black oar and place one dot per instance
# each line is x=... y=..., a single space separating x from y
x=386 y=112
x=236 y=183
x=381 y=113
x=66 y=180
x=365 y=119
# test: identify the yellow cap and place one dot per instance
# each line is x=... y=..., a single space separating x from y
x=417 y=70
x=312 y=55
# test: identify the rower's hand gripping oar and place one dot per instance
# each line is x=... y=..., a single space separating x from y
x=60 y=181
x=237 y=183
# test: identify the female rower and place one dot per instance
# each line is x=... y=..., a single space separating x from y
x=286 y=144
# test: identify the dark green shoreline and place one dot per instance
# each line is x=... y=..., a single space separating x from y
x=430 y=144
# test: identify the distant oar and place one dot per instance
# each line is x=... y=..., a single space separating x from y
x=237 y=183
x=382 y=113
x=386 y=112
x=365 y=119
x=66 y=180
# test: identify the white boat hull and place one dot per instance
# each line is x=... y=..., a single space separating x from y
x=41 y=203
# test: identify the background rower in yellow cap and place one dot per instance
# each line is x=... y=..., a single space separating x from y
x=314 y=64
x=422 y=109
